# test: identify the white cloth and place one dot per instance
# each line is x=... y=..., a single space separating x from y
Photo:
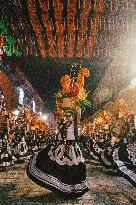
x=58 y=154
x=70 y=132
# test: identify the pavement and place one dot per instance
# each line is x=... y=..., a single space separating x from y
x=106 y=187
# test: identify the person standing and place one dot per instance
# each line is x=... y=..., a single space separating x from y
x=60 y=166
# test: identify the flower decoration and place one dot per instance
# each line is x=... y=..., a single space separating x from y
x=103 y=120
x=122 y=109
x=73 y=93
x=84 y=72
x=74 y=90
x=65 y=83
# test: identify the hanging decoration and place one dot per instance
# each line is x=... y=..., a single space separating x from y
x=59 y=27
x=94 y=28
x=83 y=28
x=71 y=27
x=36 y=27
x=73 y=94
x=7 y=42
x=47 y=23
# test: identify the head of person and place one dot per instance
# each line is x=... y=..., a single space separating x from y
x=69 y=114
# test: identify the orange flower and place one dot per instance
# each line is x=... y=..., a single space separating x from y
x=65 y=79
x=65 y=82
x=80 y=81
x=84 y=72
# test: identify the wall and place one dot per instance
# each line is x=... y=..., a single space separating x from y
x=7 y=88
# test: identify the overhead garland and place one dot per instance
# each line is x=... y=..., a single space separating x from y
x=8 y=44
x=94 y=27
x=36 y=26
x=83 y=28
x=58 y=7
x=71 y=29
x=48 y=26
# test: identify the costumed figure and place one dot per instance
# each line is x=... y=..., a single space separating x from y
x=60 y=165
x=124 y=153
x=6 y=155
x=21 y=150
x=20 y=146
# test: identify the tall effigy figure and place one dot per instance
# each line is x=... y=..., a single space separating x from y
x=60 y=166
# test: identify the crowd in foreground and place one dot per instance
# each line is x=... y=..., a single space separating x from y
x=119 y=154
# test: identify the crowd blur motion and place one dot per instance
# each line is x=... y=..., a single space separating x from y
x=22 y=133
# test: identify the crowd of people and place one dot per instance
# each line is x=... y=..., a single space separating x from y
x=56 y=158
x=117 y=153
x=112 y=150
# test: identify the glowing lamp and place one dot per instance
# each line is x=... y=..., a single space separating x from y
x=16 y=112
x=1 y=52
x=44 y=117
